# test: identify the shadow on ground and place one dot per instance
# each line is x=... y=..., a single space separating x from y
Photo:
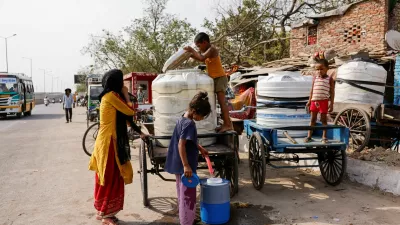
x=241 y=214
x=40 y=117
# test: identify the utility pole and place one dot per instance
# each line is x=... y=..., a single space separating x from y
x=56 y=78
x=5 y=39
x=44 y=79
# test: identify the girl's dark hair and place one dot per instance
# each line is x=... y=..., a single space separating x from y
x=201 y=37
x=323 y=62
x=200 y=104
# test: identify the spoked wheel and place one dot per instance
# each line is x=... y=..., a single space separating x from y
x=359 y=125
x=143 y=172
x=332 y=165
x=89 y=139
x=228 y=170
x=395 y=144
x=257 y=160
x=236 y=146
x=87 y=119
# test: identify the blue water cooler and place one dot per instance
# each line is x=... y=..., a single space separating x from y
x=215 y=201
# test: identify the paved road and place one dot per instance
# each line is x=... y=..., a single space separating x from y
x=44 y=180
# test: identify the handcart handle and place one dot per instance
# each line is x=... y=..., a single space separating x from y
x=209 y=135
x=330 y=127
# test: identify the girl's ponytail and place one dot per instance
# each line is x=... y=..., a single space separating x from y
x=200 y=104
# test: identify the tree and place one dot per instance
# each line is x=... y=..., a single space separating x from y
x=145 y=45
x=92 y=69
x=257 y=30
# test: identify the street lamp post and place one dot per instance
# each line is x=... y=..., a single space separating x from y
x=56 y=78
x=44 y=79
x=5 y=39
x=31 y=64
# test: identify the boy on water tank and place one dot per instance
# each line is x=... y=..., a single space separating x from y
x=209 y=54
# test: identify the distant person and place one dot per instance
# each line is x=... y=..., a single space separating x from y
x=14 y=88
x=68 y=104
x=111 y=156
x=140 y=95
x=183 y=153
x=209 y=54
x=322 y=97
x=74 y=96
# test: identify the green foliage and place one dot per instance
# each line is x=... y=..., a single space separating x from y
x=145 y=45
x=256 y=31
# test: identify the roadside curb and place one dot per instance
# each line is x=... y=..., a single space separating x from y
x=385 y=178
x=382 y=177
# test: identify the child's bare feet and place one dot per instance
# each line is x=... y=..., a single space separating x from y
x=307 y=140
x=225 y=129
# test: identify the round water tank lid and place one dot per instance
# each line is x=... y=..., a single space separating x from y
x=214 y=181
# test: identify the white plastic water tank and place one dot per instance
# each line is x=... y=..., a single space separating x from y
x=172 y=93
x=284 y=117
x=286 y=85
x=360 y=71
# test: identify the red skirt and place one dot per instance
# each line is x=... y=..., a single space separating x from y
x=109 y=199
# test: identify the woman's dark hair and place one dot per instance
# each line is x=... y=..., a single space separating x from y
x=323 y=62
x=113 y=80
x=201 y=37
x=200 y=104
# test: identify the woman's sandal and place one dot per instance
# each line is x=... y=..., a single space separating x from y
x=307 y=140
x=110 y=221
x=99 y=216
x=324 y=140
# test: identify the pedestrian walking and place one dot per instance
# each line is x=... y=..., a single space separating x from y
x=111 y=156
x=183 y=155
x=68 y=104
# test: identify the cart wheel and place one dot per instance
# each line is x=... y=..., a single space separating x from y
x=87 y=119
x=257 y=160
x=231 y=173
x=332 y=165
x=143 y=172
x=236 y=146
x=359 y=124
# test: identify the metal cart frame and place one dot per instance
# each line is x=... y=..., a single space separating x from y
x=224 y=155
x=265 y=148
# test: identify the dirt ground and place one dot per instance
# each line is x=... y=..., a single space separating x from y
x=378 y=155
x=44 y=180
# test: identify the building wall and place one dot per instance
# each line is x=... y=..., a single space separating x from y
x=394 y=18
x=370 y=18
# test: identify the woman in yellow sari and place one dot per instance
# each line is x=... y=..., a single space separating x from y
x=111 y=156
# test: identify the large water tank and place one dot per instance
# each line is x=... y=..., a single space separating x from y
x=284 y=117
x=172 y=93
x=284 y=86
x=351 y=86
x=285 y=95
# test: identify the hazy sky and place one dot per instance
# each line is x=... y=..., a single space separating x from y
x=53 y=32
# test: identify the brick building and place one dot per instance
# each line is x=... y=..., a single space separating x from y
x=361 y=25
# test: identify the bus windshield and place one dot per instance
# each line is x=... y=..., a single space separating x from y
x=8 y=84
x=95 y=91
